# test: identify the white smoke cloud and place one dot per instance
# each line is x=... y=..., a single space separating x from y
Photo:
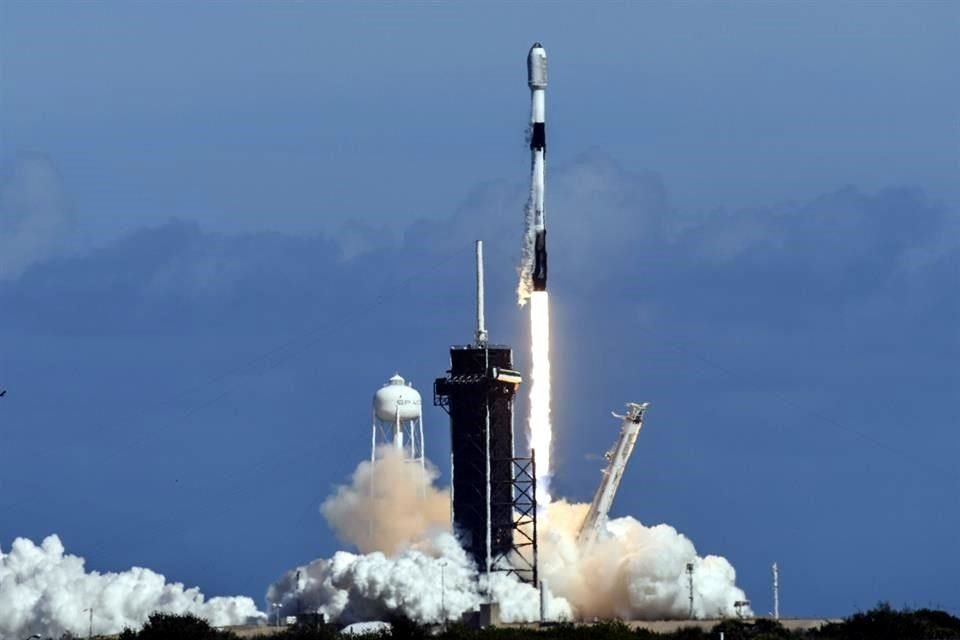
x=525 y=268
x=428 y=582
x=45 y=591
x=412 y=564
x=388 y=506
x=634 y=572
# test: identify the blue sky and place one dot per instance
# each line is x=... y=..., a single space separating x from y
x=222 y=227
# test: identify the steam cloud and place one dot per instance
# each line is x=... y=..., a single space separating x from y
x=410 y=563
x=634 y=572
x=525 y=269
x=409 y=557
x=389 y=506
x=47 y=592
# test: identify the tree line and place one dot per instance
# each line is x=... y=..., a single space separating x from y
x=880 y=623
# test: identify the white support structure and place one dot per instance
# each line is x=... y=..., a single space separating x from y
x=776 y=591
x=596 y=521
x=481 y=336
x=543 y=602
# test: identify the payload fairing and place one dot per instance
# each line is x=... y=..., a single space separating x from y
x=537 y=80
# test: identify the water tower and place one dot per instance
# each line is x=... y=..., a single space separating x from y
x=398 y=419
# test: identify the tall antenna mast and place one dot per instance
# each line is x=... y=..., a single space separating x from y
x=776 y=591
x=481 y=327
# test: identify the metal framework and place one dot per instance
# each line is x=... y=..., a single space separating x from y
x=595 y=523
x=494 y=492
x=520 y=559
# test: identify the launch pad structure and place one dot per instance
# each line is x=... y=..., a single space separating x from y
x=493 y=490
x=595 y=521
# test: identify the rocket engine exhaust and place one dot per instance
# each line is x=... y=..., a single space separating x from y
x=419 y=569
x=533 y=275
x=541 y=430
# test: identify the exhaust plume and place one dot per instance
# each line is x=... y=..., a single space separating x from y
x=430 y=582
x=418 y=568
x=633 y=571
x=410 y=562
x=525 y=269
x=388 y=505
x=540 y=429
x=47 y=592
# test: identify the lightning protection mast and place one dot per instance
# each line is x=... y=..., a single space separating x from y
x=776 y=591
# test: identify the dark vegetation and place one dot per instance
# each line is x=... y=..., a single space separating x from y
x=885 y=623
x=162 y=626
x=880 y=623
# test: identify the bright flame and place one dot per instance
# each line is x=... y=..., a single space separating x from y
x=541 y=431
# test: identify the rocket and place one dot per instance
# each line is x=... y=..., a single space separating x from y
x=537 y=81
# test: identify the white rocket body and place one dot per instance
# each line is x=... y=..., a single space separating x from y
x=537 y=81
x=596 y=520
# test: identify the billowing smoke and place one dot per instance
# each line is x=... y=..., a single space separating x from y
x=429 y=581
x=633 y=572
x=45 y=591
x=419 y=569
x=388 y=506
x=525 y=268
x=410 y=562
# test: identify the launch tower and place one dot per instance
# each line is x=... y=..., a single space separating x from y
x=494 y=492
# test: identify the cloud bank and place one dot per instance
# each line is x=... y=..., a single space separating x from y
x=46 y=591
x=36 y=222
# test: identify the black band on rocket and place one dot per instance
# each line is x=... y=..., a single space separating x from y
x=540 y=262
x=539 y=139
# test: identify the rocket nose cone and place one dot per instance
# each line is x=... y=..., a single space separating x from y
x=537 y=66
